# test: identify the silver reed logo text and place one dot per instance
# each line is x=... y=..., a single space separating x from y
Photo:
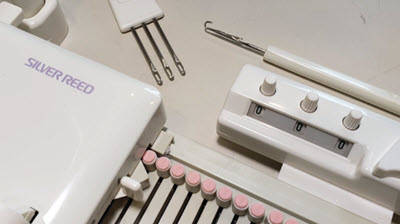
x=59 y=75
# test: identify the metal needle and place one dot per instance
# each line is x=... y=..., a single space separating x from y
x=178 y=63
x=233 y=39
x=153 y=69
x=166 y=67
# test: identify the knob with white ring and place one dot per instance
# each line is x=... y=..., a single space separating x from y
x=240 y=205
x=310 y=102
x=353 y=119
x=193 y=182
x=276 y=217
x=149 y=160
x=177 y=172
x=256 y=212
x=268 y=88
x=163 y=165
x=291 y=221
x=224 y=197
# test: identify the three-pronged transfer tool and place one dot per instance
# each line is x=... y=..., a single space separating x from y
x=318 y=73
x=132 y=14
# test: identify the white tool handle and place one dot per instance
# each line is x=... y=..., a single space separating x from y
x=333 y=79
x=133 y=13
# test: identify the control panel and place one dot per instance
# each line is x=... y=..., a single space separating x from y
x=300 y=129
x=329 y=138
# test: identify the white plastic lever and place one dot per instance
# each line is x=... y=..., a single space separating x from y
x=132 y=188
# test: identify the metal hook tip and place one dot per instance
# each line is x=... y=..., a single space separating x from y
x=207 y=22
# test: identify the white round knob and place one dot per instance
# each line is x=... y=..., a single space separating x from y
x=268 y=87
x=353 y=119
x=310 y=102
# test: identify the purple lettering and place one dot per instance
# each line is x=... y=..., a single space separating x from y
x=67 y=79
x=44 y=68
x=36 y=66
x=89 y=89
x=75 y=82
x=81 y=86
x=31 y=62
x=58 y=74
x=50 y=71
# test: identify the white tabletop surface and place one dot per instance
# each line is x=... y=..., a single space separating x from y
x=359 y=38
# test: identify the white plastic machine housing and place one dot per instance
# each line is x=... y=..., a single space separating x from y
x=370 y=169
x=70 y=129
